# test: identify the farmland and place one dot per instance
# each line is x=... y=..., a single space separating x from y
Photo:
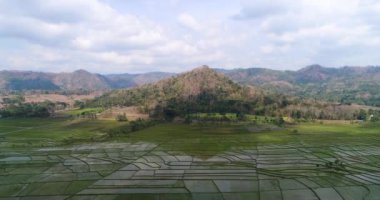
x=77 y=159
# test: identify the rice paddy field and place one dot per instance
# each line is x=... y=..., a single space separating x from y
x=76 y=159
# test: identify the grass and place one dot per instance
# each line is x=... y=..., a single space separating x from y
x=193 y=139
x=189 y=138
x=280 y=155
x=29 y=132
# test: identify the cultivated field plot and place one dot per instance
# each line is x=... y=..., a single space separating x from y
x=188 y=162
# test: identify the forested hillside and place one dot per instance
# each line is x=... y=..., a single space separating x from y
x=201 y=89
x=205 y=90
x=346 y=85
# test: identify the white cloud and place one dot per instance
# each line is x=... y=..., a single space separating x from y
x=321 y=31
x=106 y=37
x=188 y=21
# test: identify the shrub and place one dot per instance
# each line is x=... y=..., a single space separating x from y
x=141 y=124
x=121 y=118
x=279 y=121
x=131 y=127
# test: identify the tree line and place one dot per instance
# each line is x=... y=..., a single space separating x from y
x=17 y=107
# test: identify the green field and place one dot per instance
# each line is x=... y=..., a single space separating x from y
x=25 y=132
x=77 y=159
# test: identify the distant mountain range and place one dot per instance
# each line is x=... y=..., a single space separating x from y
x=74 y=81
x=344 y=85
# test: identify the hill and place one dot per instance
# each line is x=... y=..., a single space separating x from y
x=26 y=80
x=205 y=90
x=344 y=85
x=126 y=80
x=200 y=90
x=79 y=80
x=185 y=85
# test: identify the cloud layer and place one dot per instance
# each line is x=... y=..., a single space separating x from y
x=113 y=36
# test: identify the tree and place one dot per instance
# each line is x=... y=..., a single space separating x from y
x=44 y=109
x=121 y=117
x=14 y=100
x=240 y=116
x=79 y=104
x=296 y=114
x=362 y=115
x=279 y=121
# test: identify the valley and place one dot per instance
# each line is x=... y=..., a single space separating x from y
x=189 y=100
x=196 y=135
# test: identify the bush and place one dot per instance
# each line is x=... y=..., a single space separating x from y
x=44 y=109
x=188 y=119
x=79 y=104
x=279 y=121
x=121 y=118
x=141 y=124
x=131 y=127
x=240 y=116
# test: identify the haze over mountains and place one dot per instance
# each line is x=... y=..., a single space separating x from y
x=345 y=85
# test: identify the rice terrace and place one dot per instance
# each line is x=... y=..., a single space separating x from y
x=189 y=100
x=177 y=161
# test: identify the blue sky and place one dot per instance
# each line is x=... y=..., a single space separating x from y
x=130 y=36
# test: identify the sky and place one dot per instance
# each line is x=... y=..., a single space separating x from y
x=136 y=36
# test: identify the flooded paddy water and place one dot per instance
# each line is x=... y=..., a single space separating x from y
x=180 y=168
